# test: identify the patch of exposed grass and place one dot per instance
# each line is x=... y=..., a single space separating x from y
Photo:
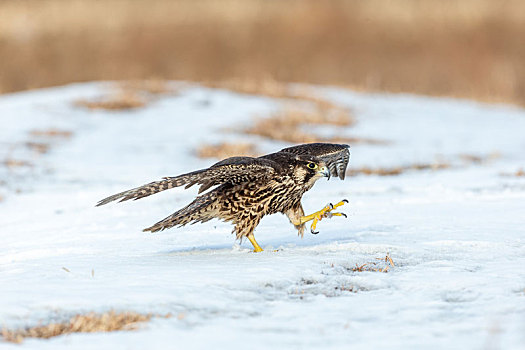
x=89 y=323
x=226 y=149
x=518 y=173
x=16 y=163
x=128 y=95
x=396 y=170
x=115 y=102
x=466 y=159
x=477 y=159
x=290 y=125
x=375 y=265
x=38 y=147
x=52 y=132
x=324 y=111
x=269 y=87
x=295 y=117
x=266 y=87
x=347 y=288
x=148 y=86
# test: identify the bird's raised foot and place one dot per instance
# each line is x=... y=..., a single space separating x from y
x=326 y=212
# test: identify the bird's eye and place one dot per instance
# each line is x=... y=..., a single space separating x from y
x=312 y=165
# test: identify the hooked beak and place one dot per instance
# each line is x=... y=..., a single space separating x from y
x=325 y=172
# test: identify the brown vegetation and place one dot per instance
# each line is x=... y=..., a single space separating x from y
x=289 y=125
x=303 y=111
x=284 y=125
x=51 y=133
x=226 y=149
x=38 y=147
x=517 y=173
x=89 y=323
x=276 y=89
x=147 y=86
x=15 y=163
x=374 y=266
x=466 y=159
x=469 y=48
x=118 y=101
x=396 y=170
x=259 y=86
x=129 y=95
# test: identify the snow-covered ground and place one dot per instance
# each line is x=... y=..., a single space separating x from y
x=456 y=235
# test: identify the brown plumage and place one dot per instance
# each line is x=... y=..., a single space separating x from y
x=249 y=188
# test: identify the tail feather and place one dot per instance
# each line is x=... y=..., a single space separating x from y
x=154 y=187
x=202 y=209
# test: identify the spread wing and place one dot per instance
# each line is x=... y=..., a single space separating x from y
x=233 y=170
x=335 y=156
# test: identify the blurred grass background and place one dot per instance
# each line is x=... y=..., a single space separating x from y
x=469 y=48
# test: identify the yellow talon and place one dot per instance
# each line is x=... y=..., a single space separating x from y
x=326 y=212
x=340 y=204
x=256 y=246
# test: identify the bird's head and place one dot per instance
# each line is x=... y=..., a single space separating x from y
x=309 y=169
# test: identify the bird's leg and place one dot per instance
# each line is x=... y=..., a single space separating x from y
x=256 y=246
x=326 y=212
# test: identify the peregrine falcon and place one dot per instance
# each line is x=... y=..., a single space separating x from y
x=248 y=188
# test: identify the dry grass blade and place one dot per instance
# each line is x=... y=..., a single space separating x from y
x=389 y=259
x=92 y=322
x=359 y=268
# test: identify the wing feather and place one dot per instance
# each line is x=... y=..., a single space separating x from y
x=233 y=170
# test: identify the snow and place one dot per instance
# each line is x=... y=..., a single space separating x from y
x=456 y=235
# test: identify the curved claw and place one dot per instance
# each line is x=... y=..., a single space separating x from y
x=326 y=212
